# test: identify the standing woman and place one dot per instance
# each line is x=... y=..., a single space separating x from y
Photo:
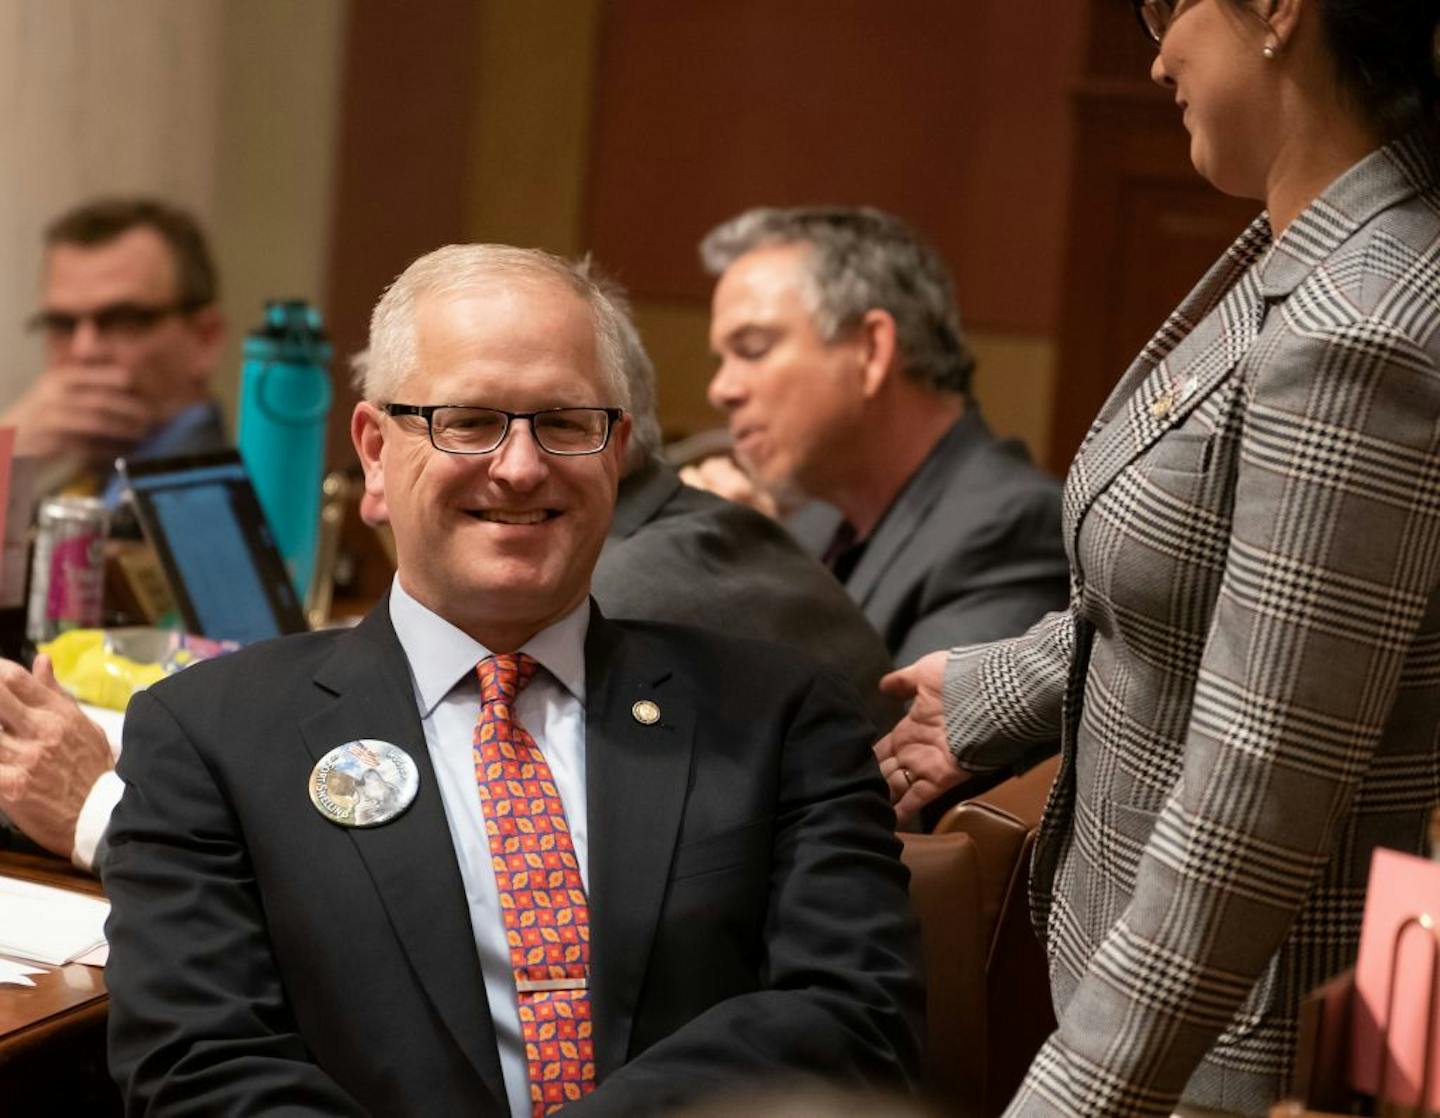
x=1246 y=684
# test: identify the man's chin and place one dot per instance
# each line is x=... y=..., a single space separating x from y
x=785 y=493
x=780 y=486
x=788 y=494
x=514 y=600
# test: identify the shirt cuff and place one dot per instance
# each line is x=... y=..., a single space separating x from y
x=95 y=817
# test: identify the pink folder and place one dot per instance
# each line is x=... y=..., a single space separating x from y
x=1399 y=936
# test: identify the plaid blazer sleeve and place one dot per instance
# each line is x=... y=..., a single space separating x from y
x=1003 y=700
x=1331 y=561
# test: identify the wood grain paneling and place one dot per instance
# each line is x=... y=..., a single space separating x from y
x=535 y=83
x=1143 y=225
x=401 y=188
x=952 y=115
x=407 y=110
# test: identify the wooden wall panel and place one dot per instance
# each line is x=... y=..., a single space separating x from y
x=952 y=115
x=1143 y=227
x=402 y=188
x=535 y=87
x=407 y=98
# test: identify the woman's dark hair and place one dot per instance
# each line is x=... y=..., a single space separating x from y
x=1387 y=58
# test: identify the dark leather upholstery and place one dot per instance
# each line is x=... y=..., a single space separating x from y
x=1019 y=1014
x=945 y=892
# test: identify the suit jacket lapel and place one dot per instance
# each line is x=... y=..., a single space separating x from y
x=1200 y=344
x=411 y=859
x=636 y=780
x=1189 y=361
x=909 y=509
x=1383 y=179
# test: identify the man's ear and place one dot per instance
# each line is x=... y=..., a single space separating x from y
x=620 y=437
x=877 y=334
x=367 y=432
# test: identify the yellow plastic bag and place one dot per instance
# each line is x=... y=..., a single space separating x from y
x=94 y=673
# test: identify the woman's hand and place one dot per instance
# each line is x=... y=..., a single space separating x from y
x=914 y=757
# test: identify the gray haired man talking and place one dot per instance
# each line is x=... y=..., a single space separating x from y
x=675 y=553
x=845 y=375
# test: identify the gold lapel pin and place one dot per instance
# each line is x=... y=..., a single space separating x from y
x=646 y=713
x=1162 y=405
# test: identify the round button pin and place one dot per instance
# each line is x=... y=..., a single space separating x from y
x=363 y=783
x=646 y=713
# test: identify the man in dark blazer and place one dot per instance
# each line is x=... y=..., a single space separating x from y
x=673 y=553
x=846 y=379
x=711 y=842
x=677 y=553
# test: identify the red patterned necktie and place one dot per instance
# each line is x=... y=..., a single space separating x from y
x=542 y=897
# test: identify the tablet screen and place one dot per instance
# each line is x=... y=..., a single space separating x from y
x=201 y=516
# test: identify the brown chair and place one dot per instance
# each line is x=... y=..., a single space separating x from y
x=1019 y=1014
x=945 y=893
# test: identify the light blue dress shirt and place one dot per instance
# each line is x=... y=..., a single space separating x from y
x=447 y=691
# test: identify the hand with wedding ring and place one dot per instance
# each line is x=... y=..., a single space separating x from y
x=914 y=757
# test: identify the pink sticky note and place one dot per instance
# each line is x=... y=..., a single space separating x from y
x=1402 y=899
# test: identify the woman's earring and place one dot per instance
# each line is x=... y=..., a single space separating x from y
x=1269 y=51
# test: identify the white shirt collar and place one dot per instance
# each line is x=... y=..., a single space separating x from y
x=440 y=655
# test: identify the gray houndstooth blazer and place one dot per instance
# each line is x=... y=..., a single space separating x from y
x=1247 y=681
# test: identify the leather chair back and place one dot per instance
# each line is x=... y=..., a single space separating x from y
x=945 y=892
x=1019 y=1014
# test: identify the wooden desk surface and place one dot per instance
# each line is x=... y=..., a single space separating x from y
x=52 y=1036
x=63 y=997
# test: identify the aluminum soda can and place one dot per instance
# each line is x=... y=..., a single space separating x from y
x=67 y=572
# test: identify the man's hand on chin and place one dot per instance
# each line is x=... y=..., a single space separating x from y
x=92 y=410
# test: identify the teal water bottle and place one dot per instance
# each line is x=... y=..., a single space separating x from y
x=285 y=398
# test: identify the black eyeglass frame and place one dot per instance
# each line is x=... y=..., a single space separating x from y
x=1154 y=30
x=144 y=317
x=427 y=413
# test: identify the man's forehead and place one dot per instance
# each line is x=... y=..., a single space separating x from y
x=763 y=284
x=490 y=306
x=136 y=266
x=544 y=332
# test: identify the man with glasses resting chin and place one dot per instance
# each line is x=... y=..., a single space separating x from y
x=625 y=863
x=131 y=337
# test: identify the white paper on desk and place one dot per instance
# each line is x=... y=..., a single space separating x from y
x=49 y=925
x=16 y=974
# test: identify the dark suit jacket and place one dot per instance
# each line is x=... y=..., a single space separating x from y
x=676 y=553
x=748 y=910
x=970 y=550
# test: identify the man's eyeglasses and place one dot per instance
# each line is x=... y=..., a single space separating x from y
x=124 y=320
x=464 y=430
x=1155 y=15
